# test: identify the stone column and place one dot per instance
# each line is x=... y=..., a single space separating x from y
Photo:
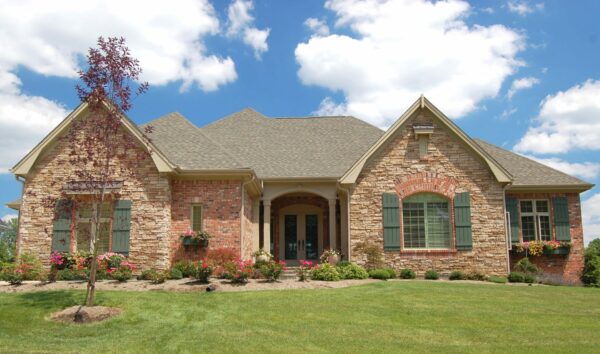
x=344 y=225
x=332 y=226
x=267 y=225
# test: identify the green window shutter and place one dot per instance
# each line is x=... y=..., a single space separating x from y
x=512 y=207
x=196 y=218
x=121 y=226
x=462 y=221
x=61 y=233
x=391 y=222
x=561 y=219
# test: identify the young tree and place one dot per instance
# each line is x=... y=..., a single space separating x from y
x=97 y=143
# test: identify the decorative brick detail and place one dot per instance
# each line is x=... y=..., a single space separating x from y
x=221 y=215
x=149 y=192
x=567 y=267
x=449 y=167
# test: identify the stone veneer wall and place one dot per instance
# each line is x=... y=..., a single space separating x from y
x=221 y=208
x=447 y=169
x=568 y=267
x=248 y=235
x=149 y=192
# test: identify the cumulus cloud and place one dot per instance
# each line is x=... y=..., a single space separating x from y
x=522 y=84
x=567 y=120
x=240 y=24
x=586 y=170
x=8 y=217
x=400 y=49
x=590 y=210
x=524 y=8
x=318 y=27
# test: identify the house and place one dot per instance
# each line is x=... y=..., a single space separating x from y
x=423 y=191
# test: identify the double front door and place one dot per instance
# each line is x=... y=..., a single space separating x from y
x=300 y=233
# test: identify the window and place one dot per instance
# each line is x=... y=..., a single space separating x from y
x=535 y=220
x=85 y=227
x=196 y=218
x=426 y=222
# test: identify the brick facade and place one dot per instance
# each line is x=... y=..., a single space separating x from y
x=248 y=229
x=568 y=267
x=448 y=168
x=149 y=192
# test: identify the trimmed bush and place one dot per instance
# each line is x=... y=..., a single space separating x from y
x=408 y=273
x=158 y=278
x=186 y=268
x=175 y=274
x=529 y=278
x=71 y=274
x=516 y=277
x=431 y=275
x=203 y=271
x=380 y=273
x=147 y=274
x=499 y=280
x=272 y=270
x=325 y=272
x=476 y=276
x=457 y=275
x=349 y=270
x=122 y=274
x=525 y=266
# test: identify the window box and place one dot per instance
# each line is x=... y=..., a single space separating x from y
x=193 y=241
x=561 y=250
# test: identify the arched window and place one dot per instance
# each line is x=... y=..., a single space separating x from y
x=426 y=221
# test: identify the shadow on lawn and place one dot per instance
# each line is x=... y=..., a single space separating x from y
x=51 y=299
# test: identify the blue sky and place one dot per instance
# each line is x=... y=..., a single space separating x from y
x=520 y=74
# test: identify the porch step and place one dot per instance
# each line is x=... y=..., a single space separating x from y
x=289 y=273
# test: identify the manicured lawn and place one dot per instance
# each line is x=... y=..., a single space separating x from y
x=414 y=316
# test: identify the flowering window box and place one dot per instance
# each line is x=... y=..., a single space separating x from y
x=192 y=241
x=560 y=250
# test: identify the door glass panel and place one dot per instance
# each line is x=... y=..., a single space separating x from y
x=291 y=237
x=312 y=237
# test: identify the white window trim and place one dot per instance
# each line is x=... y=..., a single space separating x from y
x=536 y=217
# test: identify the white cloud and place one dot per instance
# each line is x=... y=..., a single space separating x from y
x=318 y=27
x=567 y=120
x=508 y=112
x=240 y=24
x=585 y=170
x=521 y=84
x=50 y=37
x=401 y=49
x=523 y=8
x=328 y=107
x=590 y=211
x=8 y=217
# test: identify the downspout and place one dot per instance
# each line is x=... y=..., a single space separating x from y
x=242 y=233
x=506 y=228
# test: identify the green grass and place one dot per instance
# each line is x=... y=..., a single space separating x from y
x=411 y=316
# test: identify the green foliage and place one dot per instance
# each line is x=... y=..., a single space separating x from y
x=325 y=272
x=186 y=267
x=529 y=278
x=175 y=274
x=349 y=270
x=271 y=270
x=380 y=273
x=122 y=274
x=408 y=273
x=496 y=279
x=159 y=277
x=591 y=264
x=525 y=266
x=476 y=275
x=373 y=252
x=8 y=240
x=147 y=274
x=202 y=271
x=432 y=275
x=516 y=277
x=71 y=274
x=457 y=275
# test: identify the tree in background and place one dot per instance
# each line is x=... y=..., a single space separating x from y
x=591 y=267
x=8 y=240
x=96 y=142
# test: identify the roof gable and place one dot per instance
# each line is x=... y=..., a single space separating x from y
x=499 y=172
x=23 y=167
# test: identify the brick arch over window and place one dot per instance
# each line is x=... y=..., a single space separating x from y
x=426 y=182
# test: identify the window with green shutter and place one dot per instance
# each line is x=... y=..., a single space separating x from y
x=512 y=208
x=196 y=218
x=426 y=222
x=462 y=221
x=561 y=219
x=391 y=222
x=61 y=232
x=121 y=226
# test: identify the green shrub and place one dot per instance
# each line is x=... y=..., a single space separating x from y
x=158 y=277
x=71 y=274
x=175 y=274
x=325 y=272
x=31 y=267
x=516 y=277
x=349 y=270
x=147 y=274
x=187 y=268
x=203 y=271
x=499 y=280
x=380 y=273
x=432 y=275
x=272 y=270
x=529 y=278
x=122 y=274
x=591 y=264
x=457 y=275
x=373 y=252
x=476 y=276
x=11 y=275
x=408 y=273
x=525 y=266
